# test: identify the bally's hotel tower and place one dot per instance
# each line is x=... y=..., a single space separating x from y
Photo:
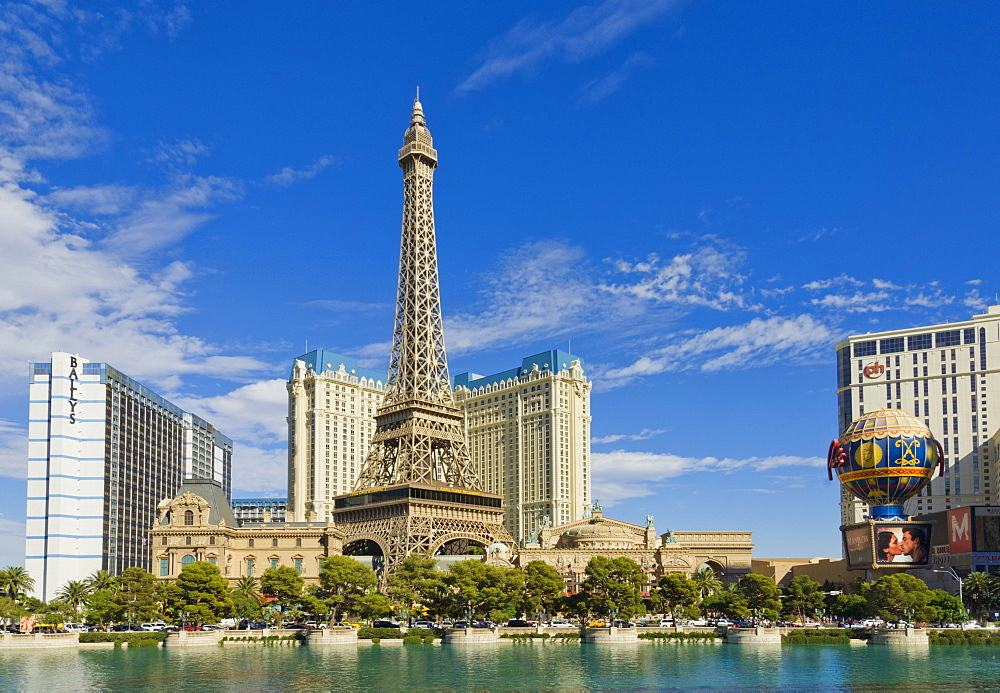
x=103 y=451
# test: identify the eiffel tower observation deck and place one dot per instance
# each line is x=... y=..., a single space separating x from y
x=417 y=491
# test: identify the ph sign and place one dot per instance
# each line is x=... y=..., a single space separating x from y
x=874 y=370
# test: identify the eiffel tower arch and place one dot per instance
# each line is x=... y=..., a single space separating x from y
x=417 y=491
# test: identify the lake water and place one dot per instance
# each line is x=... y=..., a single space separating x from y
x=503 y=667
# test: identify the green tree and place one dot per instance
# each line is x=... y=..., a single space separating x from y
x=416 y=583
x=202 y=593
x=614 y=585
x=803 y=598
x=488 y=591
x=900 y=596
x=760 y=595
x=677 y=590
x=138 y=595
x=342 y=582
x=850 y=606
x=707 y=582
x=15 y=582
x=980 y=593
x=371 y=606
x=74 y=593
x=284 y=586
x=103 y=608
x=949 y=608
x=542 y=588
x=10 y=610
x=726 y=603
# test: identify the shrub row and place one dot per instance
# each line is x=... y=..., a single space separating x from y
x=693 y=636
x=963 y=637
x=417 y=640
x=540 y=636
x=133 y=639
x=381 y=633
x=798 y=639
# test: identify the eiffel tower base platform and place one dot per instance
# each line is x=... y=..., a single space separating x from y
x=416 y=518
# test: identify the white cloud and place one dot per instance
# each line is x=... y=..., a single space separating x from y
x=759 y=342
x=644 y=434
x=253 y=413
x=599 y=89
x=260 y=471
x=13 y=450
x=858 y=302
x=622 y=475
x=585 y=32
x=60 y=293
x=288 y=175
x=181 y=152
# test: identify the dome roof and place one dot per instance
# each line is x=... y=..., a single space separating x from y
x=600 y=531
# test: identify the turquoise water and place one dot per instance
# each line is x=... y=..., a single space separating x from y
x=503 y=667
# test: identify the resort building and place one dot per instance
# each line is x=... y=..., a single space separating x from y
x=331 y=419
x=103 y=450
x=248 y=511
x=947 y=375
x=528 y=432
x=199 y=525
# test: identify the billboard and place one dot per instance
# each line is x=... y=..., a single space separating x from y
x=986 y=536
x=960 y=530
x=887 y=544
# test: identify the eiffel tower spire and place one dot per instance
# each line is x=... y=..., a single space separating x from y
x=417 y=490
x=418 y=367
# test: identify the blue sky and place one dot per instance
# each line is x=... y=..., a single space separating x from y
x=698 y=198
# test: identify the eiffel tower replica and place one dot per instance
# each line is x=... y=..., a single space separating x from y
x=417 y=491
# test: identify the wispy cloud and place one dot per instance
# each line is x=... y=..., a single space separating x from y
x=289 y=175
x=11 y=542
x=254 y=413
x=13 y=450
x=587 y=31
x=599 y=89
x=759 y=342
x=644 y=434
x=623 y=475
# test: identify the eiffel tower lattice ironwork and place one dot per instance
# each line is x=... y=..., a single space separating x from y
x=417 y=490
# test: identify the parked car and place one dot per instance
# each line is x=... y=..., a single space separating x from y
x=560 y=624
x=484 y=624
x=666 y=623
x=424 y=624
x=518 y=623
x=460 y=624
x=298 y=626
x=384 y=624
x=623 y=624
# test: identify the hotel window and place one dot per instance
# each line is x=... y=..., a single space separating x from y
x=298 y=542
x=274 y=542
x=298 y=566
x=163 y=541
x=249 y=566
x=164 y=567
x=918 y=341
x=187 y=560
x=274 y=563
x=250 y=543
x=188 y=517
x=187 y=541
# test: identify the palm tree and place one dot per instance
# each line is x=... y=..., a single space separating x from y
x=707 y=582
x=102 y=580
x=15 y=582
x=246 y=586
x=979 y=592
x=74 y=593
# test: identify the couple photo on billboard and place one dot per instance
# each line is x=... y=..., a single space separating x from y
x=901 y=544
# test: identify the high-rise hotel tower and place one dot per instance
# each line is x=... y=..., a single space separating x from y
x=946 y=375
x=331 y=419
x=527 y=430
x=103 y=451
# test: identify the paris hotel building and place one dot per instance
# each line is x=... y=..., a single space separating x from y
x=948 y=376
x=527 y=431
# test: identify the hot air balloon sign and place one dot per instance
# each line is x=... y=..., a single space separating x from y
x=883 y=458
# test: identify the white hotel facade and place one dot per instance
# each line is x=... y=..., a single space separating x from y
x=948 y=376
x=527 y=430
x=103 y=451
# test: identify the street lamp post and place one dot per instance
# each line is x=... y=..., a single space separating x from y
x=951 y=571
